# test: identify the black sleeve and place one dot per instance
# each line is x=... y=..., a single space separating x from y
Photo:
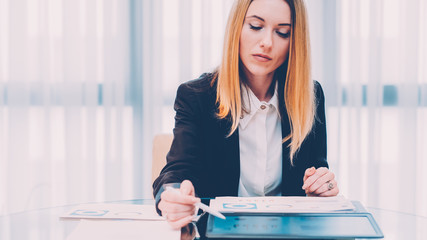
x=183 y=159
x=319 y=129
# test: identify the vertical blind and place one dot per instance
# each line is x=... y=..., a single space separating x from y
x=371 y=59
x=66 y=117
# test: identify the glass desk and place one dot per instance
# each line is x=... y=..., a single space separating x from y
x=44 y=224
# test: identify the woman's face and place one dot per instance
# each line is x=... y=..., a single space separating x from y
x=264 y=41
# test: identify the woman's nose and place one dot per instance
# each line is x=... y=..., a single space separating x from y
x=266 y=40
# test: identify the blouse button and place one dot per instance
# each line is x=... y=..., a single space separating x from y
x=263 y=107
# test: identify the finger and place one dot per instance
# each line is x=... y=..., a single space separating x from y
x=312 y=177
x=177 y=197
x=333 y=192
x=321 y=181
x=187 y=188
x=178 y=224
x=310 y=180
x=309 y=172
x=177 y=216
x=172 y=207
x=322 y=189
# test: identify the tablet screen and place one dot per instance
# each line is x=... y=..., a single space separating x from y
x=294 y=226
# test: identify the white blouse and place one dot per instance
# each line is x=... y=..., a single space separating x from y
x=260 y=140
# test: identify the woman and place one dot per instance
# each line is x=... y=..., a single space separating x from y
x=256 y=126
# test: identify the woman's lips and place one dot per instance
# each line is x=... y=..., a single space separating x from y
x=262 y=57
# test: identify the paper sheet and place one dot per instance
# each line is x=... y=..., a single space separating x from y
x=123 y=230
x=281 y=204
x=113 y=211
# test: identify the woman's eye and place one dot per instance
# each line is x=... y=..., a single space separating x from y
x=254 y=27
x=283 y=35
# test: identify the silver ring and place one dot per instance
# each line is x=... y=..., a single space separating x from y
x=330 y=186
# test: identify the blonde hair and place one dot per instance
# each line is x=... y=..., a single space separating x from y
x=299 y=88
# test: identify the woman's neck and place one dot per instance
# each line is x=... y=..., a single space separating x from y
x=261 y=86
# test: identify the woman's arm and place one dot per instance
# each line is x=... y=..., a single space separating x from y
x=319 y=180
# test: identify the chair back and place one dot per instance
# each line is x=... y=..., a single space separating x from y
x=161 y=146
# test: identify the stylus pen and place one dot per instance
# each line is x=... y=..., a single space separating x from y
x=201 y=205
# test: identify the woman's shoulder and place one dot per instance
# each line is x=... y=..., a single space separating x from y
x=198 y=94
x=318 y=90
x=199 y=86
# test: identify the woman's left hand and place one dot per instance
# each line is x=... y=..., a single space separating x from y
x=320 y=182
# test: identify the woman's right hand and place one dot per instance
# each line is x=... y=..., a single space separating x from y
x=178 y=206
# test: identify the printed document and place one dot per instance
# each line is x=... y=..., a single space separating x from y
x=282 y=204
x=113 y=211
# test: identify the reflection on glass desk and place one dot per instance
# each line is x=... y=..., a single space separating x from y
x=44 y=224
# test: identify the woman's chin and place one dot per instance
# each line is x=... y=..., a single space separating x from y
x=260 y=72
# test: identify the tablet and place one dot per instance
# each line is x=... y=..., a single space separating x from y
x=295 y=225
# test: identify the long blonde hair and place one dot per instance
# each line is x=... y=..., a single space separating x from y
x=298 y=88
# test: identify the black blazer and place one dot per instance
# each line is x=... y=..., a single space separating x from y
x=202 y=153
